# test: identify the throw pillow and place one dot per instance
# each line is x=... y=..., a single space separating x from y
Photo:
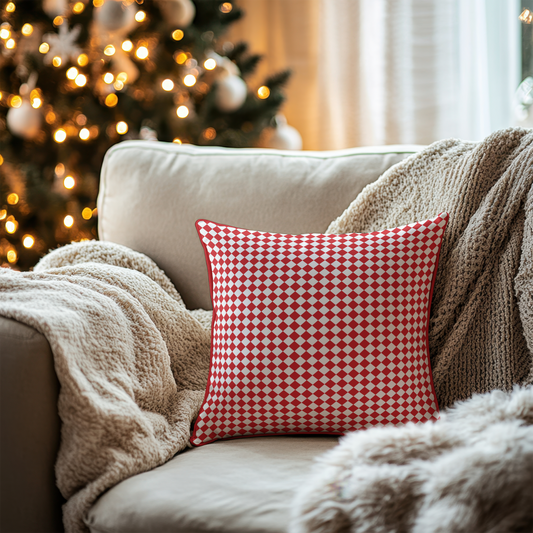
x=318 y=333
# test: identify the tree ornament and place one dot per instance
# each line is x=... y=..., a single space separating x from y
x=24 y=121
x=284 y=137
x=63 y=44
x=115 y=17
x=178 y=13
x=55 y=8
x=231 y=93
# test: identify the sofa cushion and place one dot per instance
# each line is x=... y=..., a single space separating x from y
x=152 y=193
x=234 y=486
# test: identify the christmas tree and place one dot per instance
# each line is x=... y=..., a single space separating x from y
x=79 y=76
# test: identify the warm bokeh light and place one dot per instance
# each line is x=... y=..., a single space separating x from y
x=69 y=182
x=10 y=7
x=3 y=214
x=526 y=16
x=189 y=80
x=60 y=135
x=111 y=100
x=118 y=85
x=28 y=241
x=142 y=52
x=5 y=33
x=13 y=198
x=36 y=103
x=72 y=72
x=84 y=134
x=140 y=16
x=209 y=134
x=167 y=85
x=98 y=3
x=56 y=61
x=58 y=20
x=10 y=44
x=68 y=221
x=177 y=35
x=109 y=78
x=210 y=64
x=78 y=7
x=177 y=140
x=11 y=226
x=1 y=160
x=226 y=7
x=44 y=48
x=50 y=117
x=87 y=213
x=83 y=60
x=122 y=127
x=122 y=76
x=182 y=111
x=27 y=30
x=12 y=256
x=80 y=80
x=16 y=101
x=60 y=169
x=181 y=58
x=127 y=46
x=263 y=92
x=109 y=50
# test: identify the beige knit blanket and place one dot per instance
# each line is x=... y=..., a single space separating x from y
x=131 y=360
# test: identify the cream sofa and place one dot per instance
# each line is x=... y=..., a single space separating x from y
x=151 y=194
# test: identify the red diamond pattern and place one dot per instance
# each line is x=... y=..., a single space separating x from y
x=318 y=333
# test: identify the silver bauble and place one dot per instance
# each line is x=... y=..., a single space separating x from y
x=177 y=13
x=285 y=137
x=230 y=93
x=114 y=16
x=24 y=121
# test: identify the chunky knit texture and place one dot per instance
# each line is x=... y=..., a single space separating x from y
x=131 y=360
x=481 y=328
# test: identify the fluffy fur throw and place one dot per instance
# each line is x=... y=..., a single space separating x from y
x=471 y=471
x=131 y=360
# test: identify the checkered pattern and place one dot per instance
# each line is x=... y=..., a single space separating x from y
x=318 y=333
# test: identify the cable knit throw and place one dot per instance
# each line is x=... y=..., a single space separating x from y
x=472 y=470
x=131 y=360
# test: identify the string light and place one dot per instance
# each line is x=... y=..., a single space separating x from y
x=526 y=16
x=4 y=33
x=210 y=64
x=58 y=21
x=28 y=241
x=13 y=198
x=78 y=7
x=12 y=256
x=80 y=80
x=182 y=111
x=122 y=128
x=69 y=182
x=109 y=78
x=111 y=100
x=263 y=92
x=83 y=60
x=87 y=213
x=36 y=103
x=142 y=52
x=189 y=80
x=27 y=30
x=11 y=225
x=72 y=72
x=68 y=221
x=10 y=7
x=98 y=3
x=84 y=134
x=140 y=16
x=127 y=46
x=109 y=50
x=177 y=35
x=118 y=85
x=10 y=44
x=44 y=48
x=167 y=85
x=181 y=58
x=1 y=160
x=177 y=140
x=3 y=214
x=122 y=76
x=226 y=7
x=56 y=61
x=16 y=101
x=60 y=135
x=1 y=95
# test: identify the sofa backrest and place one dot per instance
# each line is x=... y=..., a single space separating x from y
x=152 y=193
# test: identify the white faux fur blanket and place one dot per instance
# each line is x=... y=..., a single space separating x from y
x=131 y=360
x=471 y=471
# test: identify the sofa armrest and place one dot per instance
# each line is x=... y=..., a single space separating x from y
x=30 y=432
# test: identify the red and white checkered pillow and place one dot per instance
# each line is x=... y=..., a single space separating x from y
x=318 y=333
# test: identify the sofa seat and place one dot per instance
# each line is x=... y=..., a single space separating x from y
x=234 y=486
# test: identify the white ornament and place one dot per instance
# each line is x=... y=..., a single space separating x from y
x=177 y=13
x=63 y=44
x=24 y=121
x=284 y=137
x=55 y=8
x=115 y=17
x=230 y=93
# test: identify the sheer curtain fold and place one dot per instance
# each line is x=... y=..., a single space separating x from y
x=370 y=72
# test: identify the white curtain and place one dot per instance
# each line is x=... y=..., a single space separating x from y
x=371 y=72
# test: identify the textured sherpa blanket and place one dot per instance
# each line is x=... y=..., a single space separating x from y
x=471 y=471
x=131 y=360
